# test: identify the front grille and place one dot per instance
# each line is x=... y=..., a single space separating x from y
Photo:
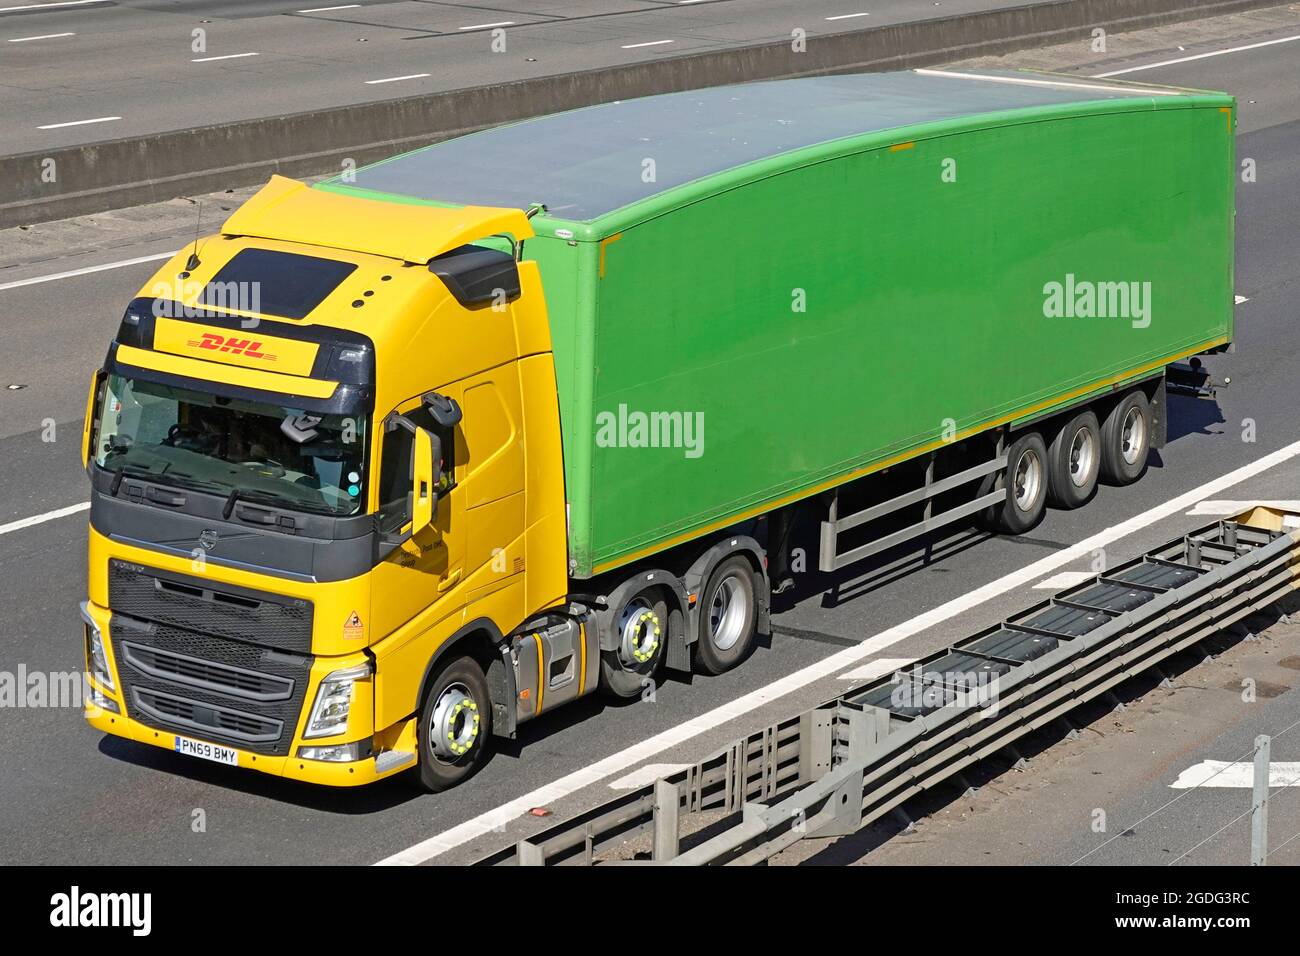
x=209 y=686
x=206 y=720
x=193 y=603
x=183 y=669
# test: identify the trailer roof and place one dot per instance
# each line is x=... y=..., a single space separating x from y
x=587 y=163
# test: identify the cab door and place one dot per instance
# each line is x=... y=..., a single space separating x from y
x=424 y=573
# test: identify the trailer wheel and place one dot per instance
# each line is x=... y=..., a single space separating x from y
x=641 y=627
x=1126 y=439
x=728 y=615
x=1025 y=483
x=1074 y=460
x=455 y=725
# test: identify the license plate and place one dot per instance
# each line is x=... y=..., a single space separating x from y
x=207 y=751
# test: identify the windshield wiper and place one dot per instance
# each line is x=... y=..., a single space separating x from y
x=229 y=506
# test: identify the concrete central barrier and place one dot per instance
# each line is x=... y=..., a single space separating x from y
x=130 y=171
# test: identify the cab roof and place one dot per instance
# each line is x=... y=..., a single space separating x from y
x=588 y=163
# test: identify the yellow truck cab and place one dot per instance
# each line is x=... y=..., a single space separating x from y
x=273 y=446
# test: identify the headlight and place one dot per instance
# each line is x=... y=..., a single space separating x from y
x=96 y=658
x=96 y=699
x=329 y=715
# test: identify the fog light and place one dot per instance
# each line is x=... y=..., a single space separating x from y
x=337 y=753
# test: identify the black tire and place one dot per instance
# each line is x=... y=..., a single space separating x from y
x=1017 y=515
x=1074 y=461
x=624 y=674
x=728 y=613
x=439 y=768
x=1126 y=439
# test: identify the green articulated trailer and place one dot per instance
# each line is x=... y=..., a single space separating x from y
x=926 y=296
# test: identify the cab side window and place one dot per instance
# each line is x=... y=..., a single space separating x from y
x=395 y=469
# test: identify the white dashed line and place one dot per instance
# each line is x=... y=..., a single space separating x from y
x=396 y=79
x=1221 y=773
x=848 y=16
x=345 y=6
x=37 y=280
x=51 y=6
x=43 y=36
x=486 y=26
x=1062 y=580
x=41 y=519
x=228 y=56
x=636 y=46
x=878 y=668
x=97 y=119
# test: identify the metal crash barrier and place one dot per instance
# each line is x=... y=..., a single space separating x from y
x=832 y=770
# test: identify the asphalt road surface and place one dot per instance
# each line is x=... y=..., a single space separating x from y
x=71 y=795
x=91 y=71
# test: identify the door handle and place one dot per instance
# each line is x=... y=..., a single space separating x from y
x=449 y=581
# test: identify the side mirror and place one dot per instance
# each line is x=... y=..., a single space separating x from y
x=90 y=427
x=426 y=464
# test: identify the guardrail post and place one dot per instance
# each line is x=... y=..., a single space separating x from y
x=1259 y=803
x=530 y=854
x=666 y=837
x=815 y=744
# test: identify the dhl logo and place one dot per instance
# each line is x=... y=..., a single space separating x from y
x=232 y=344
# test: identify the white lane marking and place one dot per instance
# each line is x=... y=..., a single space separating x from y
x=485 y=26
x=51 y=6
x=1026 y=81
x=395 y=79
x=848 y=16
x=41 y=519
x=343 y=6
x=634 y=46
x=37 y=280
x=98 y=119
x=647 y=774
x=1063 y=579
x=497 y=818
x=43 y=36
x=1238 y=299
x=878 y=668
x=1198 y=56
x=226 y=56
x=1221 y=773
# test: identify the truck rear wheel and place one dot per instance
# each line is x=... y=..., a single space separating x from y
x=641 y=628
x=1126 y=439
x=728 y=615
x=1025 y=483
x=1073 y=461
x=455 y=725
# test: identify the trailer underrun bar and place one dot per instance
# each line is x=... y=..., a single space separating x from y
x=840 y=766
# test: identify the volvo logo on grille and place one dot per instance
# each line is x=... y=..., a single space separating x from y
x=208 y=539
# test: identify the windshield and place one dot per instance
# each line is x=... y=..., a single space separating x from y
x=274 y=454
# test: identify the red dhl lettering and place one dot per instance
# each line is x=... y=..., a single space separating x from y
x=232 y=344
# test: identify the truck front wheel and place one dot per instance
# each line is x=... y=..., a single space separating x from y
x=641 y=631
x=455 y=725
x=1126 y=439
x=727 y=616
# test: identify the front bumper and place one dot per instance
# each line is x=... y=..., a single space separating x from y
x=352 y=774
